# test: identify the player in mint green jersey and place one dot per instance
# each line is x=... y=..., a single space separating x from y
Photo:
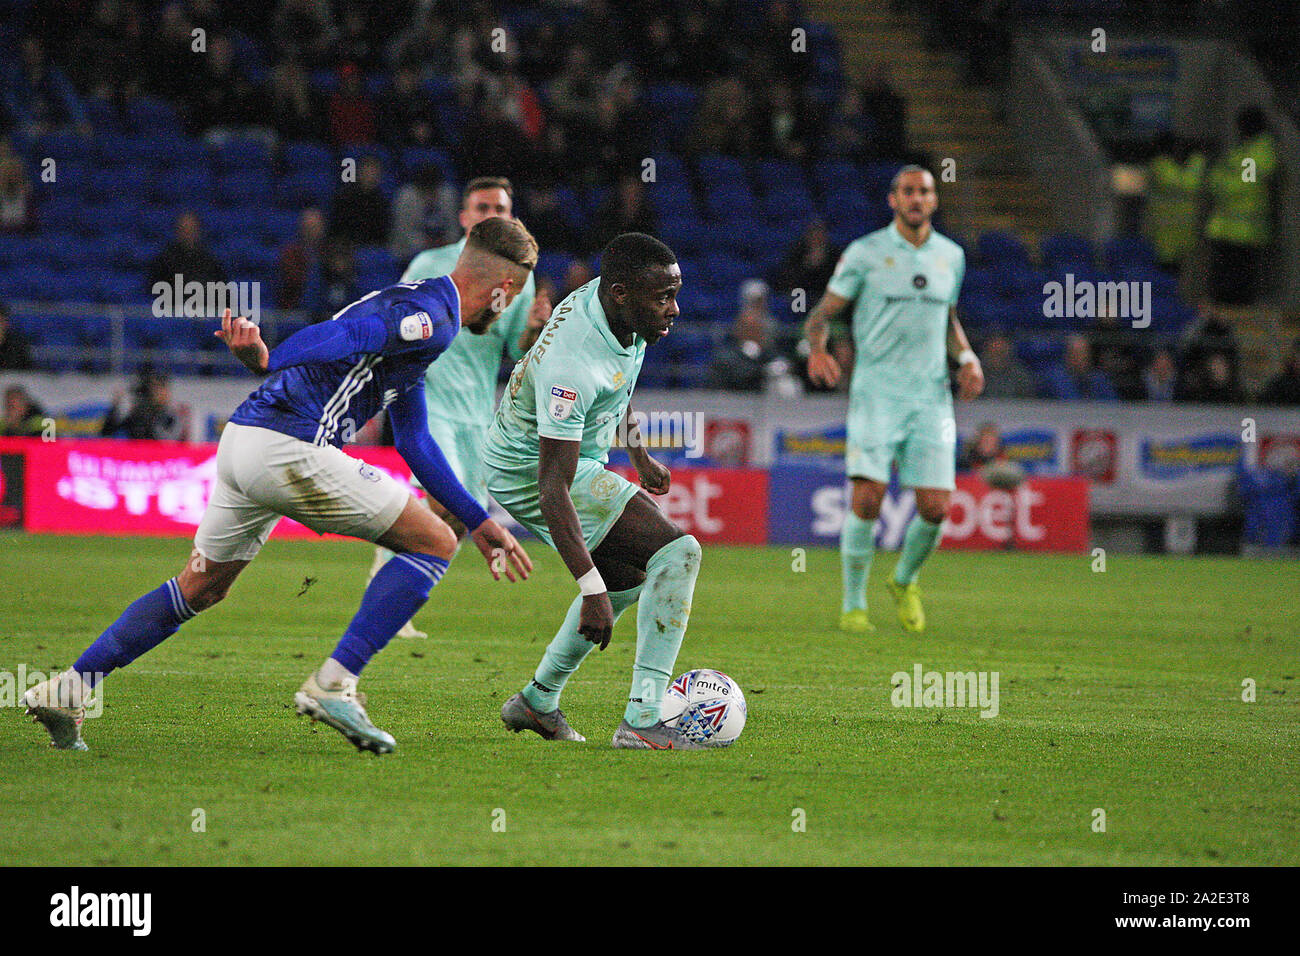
x=567 y=401
x=903 y=281
x=460 y=387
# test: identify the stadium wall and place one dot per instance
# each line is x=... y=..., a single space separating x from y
x=1141 y=460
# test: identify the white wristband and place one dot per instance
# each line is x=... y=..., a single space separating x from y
x=591 y=583
x=966 y=356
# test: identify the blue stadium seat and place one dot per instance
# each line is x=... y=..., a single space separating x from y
x=151 y=115
x=304 y=188
x=242 y=187
x=299 y=155
x=996 y=246
x=181 y=185
x=243 y=153
x=1066 y=249
x=1123 y=252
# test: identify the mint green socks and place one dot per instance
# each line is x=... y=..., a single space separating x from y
x=918 y=543
x=660 y=625
x=567 y=651
x=857 y=545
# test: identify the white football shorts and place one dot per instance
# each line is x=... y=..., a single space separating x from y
x=263 y=474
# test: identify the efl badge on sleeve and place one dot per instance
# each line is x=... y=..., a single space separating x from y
x=562 y=400
x=416 y=327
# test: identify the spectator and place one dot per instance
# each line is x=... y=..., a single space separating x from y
x=1004 y=374
x=888 y=114
x=1284 y=388
x=222 y=103
x=38 y=97
x=1116 y=352
x=1211 y=334
x=1176 y=176
x=850 y=132
x=742 y=361
x=406 y=116
x=295 y=110
x=361 y=214
x=355 y=42
x=1240 y=224
x=722 y=124
x=984 y=448
x=152 y=415
x=784 y=128
x=15 y=191
x=337 y=284
x=299 y=258
x=171 y=57
x=186 y=256
x=15 y=354
x=578 y=274
x=424 y=214
x=547 y=222
x=305 y=28
x=572 y=95
x=491 y=144
x=986 y=456
x=626 y=210
x=24 y=417
x=1160 y=379
x=352 y=117
x=1214 y=382
x=108 y=52
x=1077 y=379
x=809 y=262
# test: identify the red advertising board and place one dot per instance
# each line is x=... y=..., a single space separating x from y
x=1041 y=514
x=717 y=505
x=129 y=487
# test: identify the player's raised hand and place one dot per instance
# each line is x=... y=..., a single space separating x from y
x=501 y=551
x=244 y=339
x=596 y=619
x=823 y=369
x=970 y=380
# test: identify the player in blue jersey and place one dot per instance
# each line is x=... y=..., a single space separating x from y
x=281 y=455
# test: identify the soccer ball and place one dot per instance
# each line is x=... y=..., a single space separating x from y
x=707 y=706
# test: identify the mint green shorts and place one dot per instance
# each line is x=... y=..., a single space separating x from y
x=920 y=436
x=598 y=495
x=462 y=445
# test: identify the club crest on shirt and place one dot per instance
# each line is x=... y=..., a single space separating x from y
x=561 y=404
x=618 y=379
x=415 y=327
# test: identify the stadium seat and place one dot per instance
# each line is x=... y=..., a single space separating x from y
x=1001 y=247
x=1066 y=249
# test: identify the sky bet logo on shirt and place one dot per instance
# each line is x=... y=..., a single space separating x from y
x=562 y=400
x=416 y=327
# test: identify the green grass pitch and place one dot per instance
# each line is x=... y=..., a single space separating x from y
x=1120 y=691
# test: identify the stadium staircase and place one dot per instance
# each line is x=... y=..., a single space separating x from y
x=947 y=117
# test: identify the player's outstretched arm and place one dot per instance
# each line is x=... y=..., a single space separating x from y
x=557 y=463
x=416 y=446
x=244 y=339
x=655 y=476
x=822 y=367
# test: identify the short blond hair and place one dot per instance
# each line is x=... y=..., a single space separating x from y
x=506 y=238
